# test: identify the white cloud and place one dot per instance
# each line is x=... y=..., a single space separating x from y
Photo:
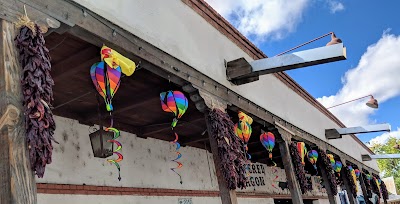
x=385 y=137
x=267 y=19
x=377 y=73
x=260 y=18
x=335 y=6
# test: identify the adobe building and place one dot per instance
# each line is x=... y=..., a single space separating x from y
x=179 y=45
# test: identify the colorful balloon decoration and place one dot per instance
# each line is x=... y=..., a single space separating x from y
x=176 y=103
x=331 y=159
x=313 y=157
x=377 y=184
x=267 y=139
x=357 y=172
x=243 y=129
x=368 y=177
x=353 y=175
x=115 y=60
x=106 y=77
x=301 y=147
x=338 y=167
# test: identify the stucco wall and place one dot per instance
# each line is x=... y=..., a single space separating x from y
x=96 y=199
x=100 y=199
x=178 y=30
x=146 y=164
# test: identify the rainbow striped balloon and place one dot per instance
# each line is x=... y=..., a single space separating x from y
x=313 y=157
x=301 y=147
x=243 y=128
x=267 y=139
x=106 y=81
x=338 y=167
x=174 y=102
x=331 y=159
x=357 y=172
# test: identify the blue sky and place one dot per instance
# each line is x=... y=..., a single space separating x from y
x=369 y=29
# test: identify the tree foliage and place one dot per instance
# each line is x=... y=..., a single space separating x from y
x=389 y=167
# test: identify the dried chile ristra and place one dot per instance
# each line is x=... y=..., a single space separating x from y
x=37 y=97
x=298 y=167
x=233 y=161
x=351 y=181
x=384 y=192
x=326 y=164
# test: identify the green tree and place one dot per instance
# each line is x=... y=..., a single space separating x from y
x=389 y=167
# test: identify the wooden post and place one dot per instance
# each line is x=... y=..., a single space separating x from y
x=17 y=182
x=332 y=198
x=293 y=185
x=227 y=196
x=346 y=183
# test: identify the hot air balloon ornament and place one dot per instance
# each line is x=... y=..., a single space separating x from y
x=353 y=175
x=331 y=159
x=301 y=148
x=106 y=77
x=338 y=167
x=357 y=172
x=313 y=157
x=243 y=129
x=267 y=139
x=175 y=102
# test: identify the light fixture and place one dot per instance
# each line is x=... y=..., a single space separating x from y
x=372 y=102
x=334 y=40
x=240 y=71
x=100 y=145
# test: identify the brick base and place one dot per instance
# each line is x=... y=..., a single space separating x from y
x=47 y=188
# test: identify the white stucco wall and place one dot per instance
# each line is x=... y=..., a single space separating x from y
x=178 y=30
x=98 y=199
x=146 y=164
x=102 y=199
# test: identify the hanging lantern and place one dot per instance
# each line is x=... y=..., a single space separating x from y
x=357 y=172
x=313 y=157
x=268 y=141
x=301 y=147
x=100 y=145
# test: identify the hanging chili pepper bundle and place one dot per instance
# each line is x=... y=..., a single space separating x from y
x=298 y=167
x=351 y=176
x=327 y=165
x=37 y=94
x=384 y=191
x=233 y=160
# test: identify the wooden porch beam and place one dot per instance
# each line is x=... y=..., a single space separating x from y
x=73 y=64
x=17 y=182
x=126 y=106
x=331 y=197
x=294 y=187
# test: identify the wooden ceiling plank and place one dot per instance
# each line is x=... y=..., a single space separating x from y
x=75 y=63
x=153 y=129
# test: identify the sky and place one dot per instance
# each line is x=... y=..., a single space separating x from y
x=370 y=31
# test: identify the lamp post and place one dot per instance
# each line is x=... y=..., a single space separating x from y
x=372 y=102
